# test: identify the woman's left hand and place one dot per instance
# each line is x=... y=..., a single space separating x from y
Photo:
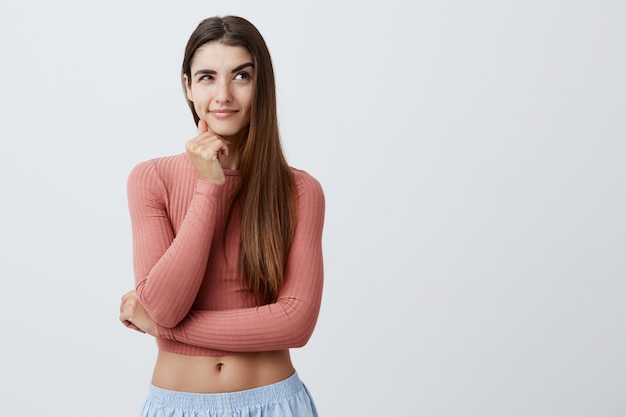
x=134 y=316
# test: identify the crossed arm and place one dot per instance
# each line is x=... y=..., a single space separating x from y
x=289 y=322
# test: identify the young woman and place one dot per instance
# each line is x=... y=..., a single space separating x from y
x=226 y=243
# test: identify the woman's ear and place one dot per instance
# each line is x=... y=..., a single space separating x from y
x=187 y=87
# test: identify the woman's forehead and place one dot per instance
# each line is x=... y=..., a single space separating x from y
x=220 y=55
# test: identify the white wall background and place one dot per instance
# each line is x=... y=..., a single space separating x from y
x=472 y=155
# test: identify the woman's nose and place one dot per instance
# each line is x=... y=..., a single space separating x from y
x=223 y=95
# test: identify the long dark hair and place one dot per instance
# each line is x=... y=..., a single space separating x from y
x=267 y=191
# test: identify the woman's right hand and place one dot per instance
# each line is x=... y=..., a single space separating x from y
x=205 y=151
x=134 y=316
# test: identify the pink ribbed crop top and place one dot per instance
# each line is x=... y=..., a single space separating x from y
x=185 y=263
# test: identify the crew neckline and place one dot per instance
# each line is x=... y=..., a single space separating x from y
x=231 y=172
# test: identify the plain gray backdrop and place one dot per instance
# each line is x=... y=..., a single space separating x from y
x=472 y=155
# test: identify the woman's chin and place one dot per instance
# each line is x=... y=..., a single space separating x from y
x=228 y=133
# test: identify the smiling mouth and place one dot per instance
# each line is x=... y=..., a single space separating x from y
x=223 y=111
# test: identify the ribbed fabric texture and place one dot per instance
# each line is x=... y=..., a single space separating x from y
x=185 y=263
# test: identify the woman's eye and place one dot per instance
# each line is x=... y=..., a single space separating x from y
x=205 y=78
x=242 y=76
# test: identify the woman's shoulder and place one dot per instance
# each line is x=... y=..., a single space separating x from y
x=307 y=184
x=304 y=179
x=162 y=165
x=163 y=170
x=163 y=162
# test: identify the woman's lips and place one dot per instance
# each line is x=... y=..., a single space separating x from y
x=223 y=113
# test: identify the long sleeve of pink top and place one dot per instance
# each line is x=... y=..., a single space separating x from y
x=184 y=265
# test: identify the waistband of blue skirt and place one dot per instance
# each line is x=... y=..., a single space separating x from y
x=227 y=400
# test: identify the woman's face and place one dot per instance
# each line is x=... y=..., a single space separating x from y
x=222 y=87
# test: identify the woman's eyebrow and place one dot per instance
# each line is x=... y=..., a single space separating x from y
x=242 y=66
x=213 y=72
x=205 y=71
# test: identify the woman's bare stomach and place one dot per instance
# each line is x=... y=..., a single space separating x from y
x=214 y=374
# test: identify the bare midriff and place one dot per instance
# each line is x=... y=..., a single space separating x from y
x=215 y=374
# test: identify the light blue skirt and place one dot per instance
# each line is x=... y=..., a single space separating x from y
x=288 y=398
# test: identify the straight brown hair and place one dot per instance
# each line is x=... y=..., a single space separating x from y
x=266 y=195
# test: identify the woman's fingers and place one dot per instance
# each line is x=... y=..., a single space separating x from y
x=128 y=307
x=209 y=148
x=203 y=127
x=205 y=151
